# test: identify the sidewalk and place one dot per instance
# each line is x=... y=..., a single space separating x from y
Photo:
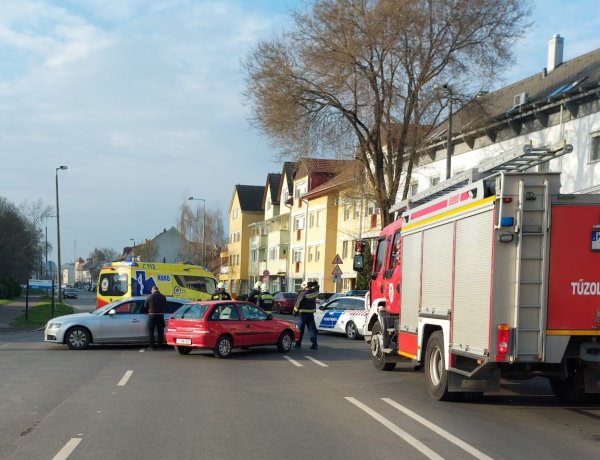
x=11 y=311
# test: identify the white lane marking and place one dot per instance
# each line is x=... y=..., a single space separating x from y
x=316 y=361
x=67 y=450
x=125 y=378
x=293 y=361
x=397 y=430
x=443 y=433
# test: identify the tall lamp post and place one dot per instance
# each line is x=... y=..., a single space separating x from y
x=133 y=249
x=58 y=234
x=447 y=90
x=203 y=227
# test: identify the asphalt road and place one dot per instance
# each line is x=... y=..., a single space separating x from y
x=122 y=402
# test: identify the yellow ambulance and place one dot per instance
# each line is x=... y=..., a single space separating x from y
x=118 y=280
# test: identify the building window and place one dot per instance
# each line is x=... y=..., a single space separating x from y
x=298 y=255
x=319 y=220
x=414 y=188
x=298 y=222
x=236 y=213
x=317 y=253
x=272 y=253
x=310 y=253
x=434 y=180
x=311 y=220
x=372 y=209
x=357 y=211
x=346 y=212
x=595 y=151
x=253 y=255
x=344 y=249
x=268 y=203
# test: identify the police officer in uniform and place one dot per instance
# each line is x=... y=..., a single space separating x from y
x=306 y=305
x=265 y=298
x=221 y=293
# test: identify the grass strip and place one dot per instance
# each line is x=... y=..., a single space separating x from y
x=40 y=314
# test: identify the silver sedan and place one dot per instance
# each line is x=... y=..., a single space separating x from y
x=118 y=322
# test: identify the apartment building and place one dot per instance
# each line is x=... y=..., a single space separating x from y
x=245 y=209
x=556 y=105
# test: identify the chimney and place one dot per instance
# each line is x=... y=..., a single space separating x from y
x=555 y=52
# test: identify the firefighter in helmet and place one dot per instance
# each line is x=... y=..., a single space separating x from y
x=221 y=293
x=265 y=299
x=254 y=292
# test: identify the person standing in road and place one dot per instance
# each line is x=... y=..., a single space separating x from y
x=306 y=305
x=155 y=305
x=265 y=299
x=221 y=293
x=252 y=296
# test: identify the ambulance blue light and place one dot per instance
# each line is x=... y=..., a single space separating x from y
x=507 y=222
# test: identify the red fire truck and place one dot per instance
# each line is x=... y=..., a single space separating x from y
x=491 y=274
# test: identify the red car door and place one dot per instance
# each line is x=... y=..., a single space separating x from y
x=225 y=319
x=258 y=328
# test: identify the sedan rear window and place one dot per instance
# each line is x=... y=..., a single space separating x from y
x=191 y=312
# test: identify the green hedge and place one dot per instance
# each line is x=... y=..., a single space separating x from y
x=9 y=288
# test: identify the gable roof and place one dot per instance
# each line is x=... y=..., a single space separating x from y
x=288 y=172
x=351 y=174
x=273 y=180
x=571 y=77
x=250 y=197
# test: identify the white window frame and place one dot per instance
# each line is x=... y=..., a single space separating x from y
x=595 y=139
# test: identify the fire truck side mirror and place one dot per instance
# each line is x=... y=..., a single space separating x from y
x=358 y=263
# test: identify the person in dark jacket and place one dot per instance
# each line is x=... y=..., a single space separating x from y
x=155 y=305
x=221 y=293
x=306 y=305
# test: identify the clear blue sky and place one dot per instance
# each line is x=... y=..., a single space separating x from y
x=141 y=100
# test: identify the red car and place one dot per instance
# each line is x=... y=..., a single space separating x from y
x=283 y=302
x=224 y=325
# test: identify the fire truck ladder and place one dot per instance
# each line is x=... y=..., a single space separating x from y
x=531 y=271
x=513 y=161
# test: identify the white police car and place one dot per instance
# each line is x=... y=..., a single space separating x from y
x=346 y=315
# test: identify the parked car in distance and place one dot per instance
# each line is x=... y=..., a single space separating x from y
x=345 y=315
x=283 y=302
x=118 y=322
x=69 y=293
x=223 y=325
x=322 y=297
x=356 y=293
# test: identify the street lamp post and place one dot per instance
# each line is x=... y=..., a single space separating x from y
x=203 y=227
x=133 y=249
x=58 y=234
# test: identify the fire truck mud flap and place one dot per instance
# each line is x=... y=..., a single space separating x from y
x=485 y=381
x=590 y=355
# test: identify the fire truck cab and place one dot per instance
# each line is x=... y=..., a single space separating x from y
x=491 y=274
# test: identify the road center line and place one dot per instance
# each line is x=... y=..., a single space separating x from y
x=440 y=431
x=293 y=361
x=125 y=378
x=316 y=361
x=67 y=449
x=397 y=430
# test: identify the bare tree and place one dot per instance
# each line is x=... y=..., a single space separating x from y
x=147 y=251
x=97 y=258
x=357 y=76
x=202 y=236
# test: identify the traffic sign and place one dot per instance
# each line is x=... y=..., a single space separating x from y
x=337 y=270
x=337 y=260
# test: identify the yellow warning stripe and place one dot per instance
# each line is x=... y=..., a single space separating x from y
x=407 y=355
x=572 y=332
x=450 y=213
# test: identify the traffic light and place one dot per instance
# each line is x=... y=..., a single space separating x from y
x=359 y=246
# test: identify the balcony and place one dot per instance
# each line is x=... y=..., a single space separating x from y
x=258 y=242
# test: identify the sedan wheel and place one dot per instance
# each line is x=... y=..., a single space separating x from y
x=223 y=347
x=183 y=350
x=78 y=338
x=285 y=342
x=352 y=331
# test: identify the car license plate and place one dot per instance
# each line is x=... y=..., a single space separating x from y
x=183 y=341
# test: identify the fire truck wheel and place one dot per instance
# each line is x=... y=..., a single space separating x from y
x=436 y=374
x=379 y=357
x=570 y=390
